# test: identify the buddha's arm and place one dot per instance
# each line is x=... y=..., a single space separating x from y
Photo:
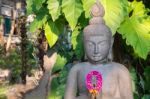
x=125 y=83
x=71 y=86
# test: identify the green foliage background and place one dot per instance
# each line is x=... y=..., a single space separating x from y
x=130 y=19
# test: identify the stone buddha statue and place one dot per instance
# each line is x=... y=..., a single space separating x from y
x=98 y=78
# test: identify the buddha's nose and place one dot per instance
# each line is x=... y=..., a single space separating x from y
x=96 y=49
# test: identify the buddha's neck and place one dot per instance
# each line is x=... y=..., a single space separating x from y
x=98 y=62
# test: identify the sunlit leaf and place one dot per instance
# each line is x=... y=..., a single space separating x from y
x=138 y=8
x=136 y=31
x=137 y=34
x=87 y=4
x=52 y=31
x=74 y=36
x=115 y=11
x=50 y=35
x=72 y=10
x=54 y=8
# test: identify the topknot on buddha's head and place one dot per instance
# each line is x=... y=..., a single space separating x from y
x=97 y=10
x=97 y=24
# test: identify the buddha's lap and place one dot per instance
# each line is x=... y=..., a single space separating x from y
x=104 y=97
x=82 y=97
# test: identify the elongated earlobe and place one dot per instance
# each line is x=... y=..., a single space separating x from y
x=110 y=55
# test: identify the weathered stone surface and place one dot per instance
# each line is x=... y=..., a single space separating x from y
x=98 y=45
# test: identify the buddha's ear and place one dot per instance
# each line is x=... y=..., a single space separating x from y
x=110 y=55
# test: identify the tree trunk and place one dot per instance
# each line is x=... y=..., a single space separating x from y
x=42 y=47
x=23 y=49
x=22 y=27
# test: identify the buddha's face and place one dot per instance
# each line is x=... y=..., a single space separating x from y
x=97 y=48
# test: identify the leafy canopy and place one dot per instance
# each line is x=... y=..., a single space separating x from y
x=130 y=19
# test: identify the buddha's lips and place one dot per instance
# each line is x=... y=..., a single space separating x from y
x=89 y=84
x=96 y=56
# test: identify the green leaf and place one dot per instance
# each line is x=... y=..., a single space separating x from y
x=50 y=35
x=134 y=79
x=115 y=11
x=29 y=6
x=58 y=85
x=54 y=90
x=38 y=22
x=60 y=63
x=136 y=30
x=87 y=4
x=54 y=8
x=52 y=31
x=38 y=3
x=138 y=9
x=74 y=36
x=77 y=42
x=40 y=19
x=72 y=10
x=137 y=34
x=83 y=22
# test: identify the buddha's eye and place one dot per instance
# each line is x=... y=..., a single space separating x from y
x=90 y=44
x=102 y=43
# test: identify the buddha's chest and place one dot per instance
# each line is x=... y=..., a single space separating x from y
x=109 y=81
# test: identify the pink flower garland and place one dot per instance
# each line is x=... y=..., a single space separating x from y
x=94 y=88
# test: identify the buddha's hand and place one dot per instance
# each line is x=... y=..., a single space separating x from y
x=49 y=61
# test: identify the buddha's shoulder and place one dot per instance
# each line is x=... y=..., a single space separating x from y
x=119 y=67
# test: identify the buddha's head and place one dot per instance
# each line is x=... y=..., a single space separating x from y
x=97 y=38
